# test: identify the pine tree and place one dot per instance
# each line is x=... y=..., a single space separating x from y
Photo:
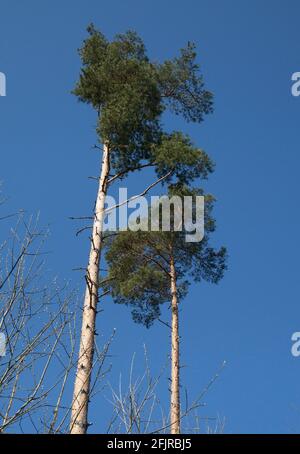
x=129 y=94
x=147 y=269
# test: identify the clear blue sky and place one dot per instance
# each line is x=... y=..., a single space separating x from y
x=248 y=51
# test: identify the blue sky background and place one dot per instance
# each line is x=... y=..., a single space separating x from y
x=248 y=51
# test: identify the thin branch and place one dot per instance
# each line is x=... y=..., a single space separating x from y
x=141 y=194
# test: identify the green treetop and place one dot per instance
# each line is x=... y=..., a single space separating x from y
x=139 y=263
x=130 y=93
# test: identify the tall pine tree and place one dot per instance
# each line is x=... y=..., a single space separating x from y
x=147 y=269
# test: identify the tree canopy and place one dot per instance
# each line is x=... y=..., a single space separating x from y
x=130 y=93
x=139 y=263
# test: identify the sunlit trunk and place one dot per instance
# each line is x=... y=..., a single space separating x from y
x=175 y=366
x=79 y=414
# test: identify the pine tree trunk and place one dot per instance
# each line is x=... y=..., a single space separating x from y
x=175 y=383
x=79 y=414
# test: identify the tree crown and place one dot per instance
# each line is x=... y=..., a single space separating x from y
x=130 y=94
x=139 y=263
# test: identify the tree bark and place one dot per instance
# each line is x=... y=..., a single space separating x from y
x=175 y=365
x=79 y=413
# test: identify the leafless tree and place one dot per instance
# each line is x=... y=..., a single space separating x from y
x=38 y=321
x=137 y=409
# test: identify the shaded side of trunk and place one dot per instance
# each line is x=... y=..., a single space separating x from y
x=79 y=414
x=175 y=366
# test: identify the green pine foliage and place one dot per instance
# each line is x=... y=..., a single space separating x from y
x=130 y=93
x=182 y=85
x=139 y=263
x=176 y=153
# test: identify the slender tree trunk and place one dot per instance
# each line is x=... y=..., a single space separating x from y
x=79 y=414
x=175 y=366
